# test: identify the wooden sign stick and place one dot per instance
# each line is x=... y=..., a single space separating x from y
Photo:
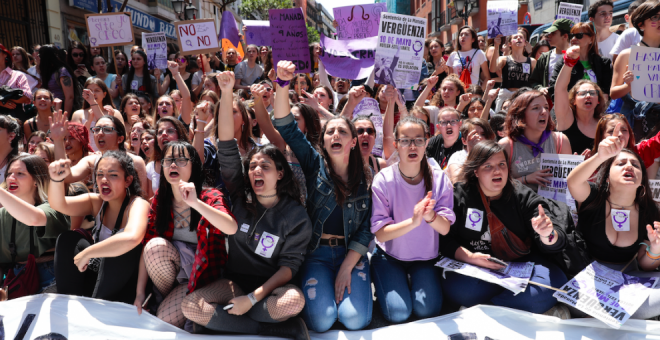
x=549 y=287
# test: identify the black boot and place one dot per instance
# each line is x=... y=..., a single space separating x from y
x=293 y=328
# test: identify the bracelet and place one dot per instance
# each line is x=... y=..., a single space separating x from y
x=93 y=104
x=549 y=237
x=648 y=254
x=282 y=83
x=569 y=61
x=435 y=215
x=198 y=131
x=525 y=179
x=201 y=121
x=252 y=298
x=648 y=250
x=60 y=181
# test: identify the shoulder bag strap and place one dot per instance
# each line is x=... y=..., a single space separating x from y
x=120 y=217
x=12 y=242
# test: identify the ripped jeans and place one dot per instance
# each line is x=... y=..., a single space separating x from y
x=318 y=274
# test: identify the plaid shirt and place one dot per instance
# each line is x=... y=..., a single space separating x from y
x=211 y=255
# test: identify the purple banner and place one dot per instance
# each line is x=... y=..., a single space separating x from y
x=229 y=29
x=359 y=21
x=289 y=38
x=258 y=32
x=352 y=59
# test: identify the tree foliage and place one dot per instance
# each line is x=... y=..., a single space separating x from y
x=258 y=9
x=312 y=34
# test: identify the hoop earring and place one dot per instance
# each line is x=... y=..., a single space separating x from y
x=607 y=188
x=128 y=192
x=644 y=193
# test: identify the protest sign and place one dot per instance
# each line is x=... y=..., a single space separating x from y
x=655 y=189
x=352 y=59
x=229 y=29
x=515 y=277
x=643 y=62
x=572 y=12
x=502 y=18
x=400 y=50
x=369 y=107
x=289 y=38
x=109 y=29
x=606 y=294
x=197 y=36
x=257 y=32
x=155 y=46
x=561 y=166
x=359 y=21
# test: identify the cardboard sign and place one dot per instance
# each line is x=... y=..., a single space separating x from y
x=515 y=277
x=289 y=38
x=197 y=36
x=502 y=18
x=257 y=32
x=400 y=50
x=572 y=12
x=109 y=29
x=643 y=62
x=359 y=21
x=561 y=166
x=155 y=46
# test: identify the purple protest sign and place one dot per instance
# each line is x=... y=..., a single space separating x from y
x=352 y=59
x=229 y=29
x=257 y=32
x=289 y=38
x=359 y=21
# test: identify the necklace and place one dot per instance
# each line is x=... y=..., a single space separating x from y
x=408 y=177
x=267 y=196
x=622 y=206
x=645 y=44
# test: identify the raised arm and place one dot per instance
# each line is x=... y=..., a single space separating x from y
x=492 y=95
x=186 y=102
x=562 y=108
x=388 y=122
x=355 y=96
x=58 y=130
x=218 y=218
x=81 y=205
x=263 y=119
x=22 y=211
x=309 y=99
x=323 y=75
x=578 y=179
x=622 y=77
x=497 y=62
x=225 y=114
x=430 y=83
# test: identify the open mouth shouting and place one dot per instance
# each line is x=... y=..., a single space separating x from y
x=12 y=187
x=543 y=121
x=100 y=143
x=364 y=144
x=335 y=146
x=174 y=174
x=68 y=148
x=449 y=131
x=629 y=176
x=498 y=180
x=413 y=156
x=105 y=190
x=258 y=183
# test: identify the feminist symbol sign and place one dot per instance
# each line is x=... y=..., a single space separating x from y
x=267 y=242
x=477 y=216
x=416 y=48
x=266 y=245
x=621 y=220
x=474 y=219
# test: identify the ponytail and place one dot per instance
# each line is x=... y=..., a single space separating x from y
x=428 y=174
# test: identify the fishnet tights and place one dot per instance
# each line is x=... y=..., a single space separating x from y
x=283 y=303
x=170 y=309
x=163 y=263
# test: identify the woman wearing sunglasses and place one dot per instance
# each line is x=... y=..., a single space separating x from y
x=366 y=140
x=109 y=134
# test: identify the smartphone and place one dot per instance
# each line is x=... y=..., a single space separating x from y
x=498 y=261
x=228 y=307
x=81 y=65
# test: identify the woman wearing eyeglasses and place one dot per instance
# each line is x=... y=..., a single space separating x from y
x=109 y=134
x=579 y=109
x=184 y=246
x=412 y=207
x=443 y=145
x=97 y=103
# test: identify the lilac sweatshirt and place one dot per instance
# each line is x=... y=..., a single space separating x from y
x=394 y=200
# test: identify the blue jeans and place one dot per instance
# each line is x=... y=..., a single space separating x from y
x=398 y=299
x=318 y=274
x=46 y=271
x=468 y=291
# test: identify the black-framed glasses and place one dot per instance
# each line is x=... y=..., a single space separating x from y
x=78 y=55
x=655 y=18
x=449 y=122
x=105 y=129
x=579 y=36
x=180 y=162
x=369 y=131
x=405 y=142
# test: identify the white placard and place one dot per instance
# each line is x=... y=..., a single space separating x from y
x=515 y=277
x=109 y=29
x=572 y=12
x=606 y=294
x=197 y=36
x=643 y=62
x=655 y=189
x=502 y=18
x=155 y=46
x=561 y=166
x=369 y=107
x=400 y=50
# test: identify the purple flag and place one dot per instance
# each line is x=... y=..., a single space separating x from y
x=352 y=59
x=289 y=37
x=359 y=21
x=258 y=32
x=229 y=29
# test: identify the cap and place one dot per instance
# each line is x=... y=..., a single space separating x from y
x=560 y=24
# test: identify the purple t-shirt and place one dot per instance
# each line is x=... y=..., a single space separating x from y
x=55 y=86
x=394 y=200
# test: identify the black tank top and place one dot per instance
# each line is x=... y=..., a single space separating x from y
x=579 y=142
x=516 y=75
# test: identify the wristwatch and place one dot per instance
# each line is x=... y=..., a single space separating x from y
x=252 y=298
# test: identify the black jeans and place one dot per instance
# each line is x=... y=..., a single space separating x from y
x=115 y=281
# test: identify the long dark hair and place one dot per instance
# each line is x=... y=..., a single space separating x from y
x=181 y=132
x=127 y=165
x=107 y=99
x=119 y=128
x=312 y=123
x=69 y=57
x=38 y=169
x=479 y=154
x=124 y=102
x=146 y=77
x=165 y=196
x=427 y=171
x=648 y=210
x=475 y=43
x=432 y=40
x=112 y=69
x=286 y=186
x=11 y=125
x=51 y=64
x=246 y=128
x=357 y=170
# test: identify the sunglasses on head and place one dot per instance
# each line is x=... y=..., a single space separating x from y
x=579 y=36
x=77 y=55
x=369 y=131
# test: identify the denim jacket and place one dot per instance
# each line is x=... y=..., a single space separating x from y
x=321 y=192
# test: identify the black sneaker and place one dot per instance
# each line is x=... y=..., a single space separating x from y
x=293 y=328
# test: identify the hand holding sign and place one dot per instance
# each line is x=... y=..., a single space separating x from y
x=542 y=224
x=498 y=40
x=610 y=146
x=628 y=77
x=391 y=94
x=539 y=177
x=285 y=70
x=226 y=81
